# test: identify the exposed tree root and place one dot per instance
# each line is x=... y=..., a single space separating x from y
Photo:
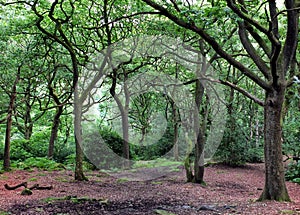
x=24 y=184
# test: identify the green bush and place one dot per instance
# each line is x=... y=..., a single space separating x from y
x=153 y=151
x=37 y=146
x=232 y=151
x=20 y=150
x=41 y=163
x=99 y=145
x=158 y=149
x=62 y=151
x=115 y=142
x=291 y=144
x=255 y=155
x=293 y=172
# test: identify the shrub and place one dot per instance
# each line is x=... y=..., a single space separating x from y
x=293 y=172
x=41 y=163
x=232 y=151
x=158 y=149
x=255 y=155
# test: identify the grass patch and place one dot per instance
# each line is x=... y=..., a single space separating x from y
x=289 y=212
x=41 y=174
x=40 y=210
x=62 y=179
x=3 y=177
x=156 y=182
x=163 y=212
x=122 y=180
x=32 y=179
x=40 y=163
x=160 y=162
x=74 y=199
x=221 y=171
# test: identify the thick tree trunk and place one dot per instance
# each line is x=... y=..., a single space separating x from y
x=6 y=159
x=275 y=188
x=54 y=131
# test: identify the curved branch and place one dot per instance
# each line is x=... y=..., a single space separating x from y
x=291 y=35
x=212 y=42
x=242 y=91
x=121 y=18
x=245 y=17
x=252 y=52
x=259 y=40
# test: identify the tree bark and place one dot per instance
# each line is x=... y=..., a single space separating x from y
x=176 y=132
x=200 y=139
x=54 y=131
x=275 y=188
x=124 y=115
x=79 y=176
x=13 y=96
x=28 y=124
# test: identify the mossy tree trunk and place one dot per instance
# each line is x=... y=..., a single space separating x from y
x=275 y=188
x=54 y=131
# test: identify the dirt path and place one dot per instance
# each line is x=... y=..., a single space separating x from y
x=228 y=191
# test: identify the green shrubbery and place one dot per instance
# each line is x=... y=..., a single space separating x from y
x=41 y=163
x=26 y=154
x=235 y=151
x=291 y=144
x=293 y=172
x=113 y=140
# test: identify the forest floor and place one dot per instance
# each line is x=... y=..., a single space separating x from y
x=228 y=191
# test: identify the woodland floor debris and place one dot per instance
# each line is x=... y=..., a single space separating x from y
x=228 y=191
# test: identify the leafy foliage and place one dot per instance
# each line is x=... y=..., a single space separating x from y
x=138 y=152
x=293 y=172
x=41 y=163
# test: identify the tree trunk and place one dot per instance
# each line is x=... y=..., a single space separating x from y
x=275 y=188
x=6 y=159
x=125 y=129
x=176 y=133
x=175 y=123
x=79 y=176
x=188 y=161
x=124 y=115
x=28 y=124
x=125 y=123
x=200 y=139
x=199 y=159
x=199 y=129
x=6 y=163
x=54 y=131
